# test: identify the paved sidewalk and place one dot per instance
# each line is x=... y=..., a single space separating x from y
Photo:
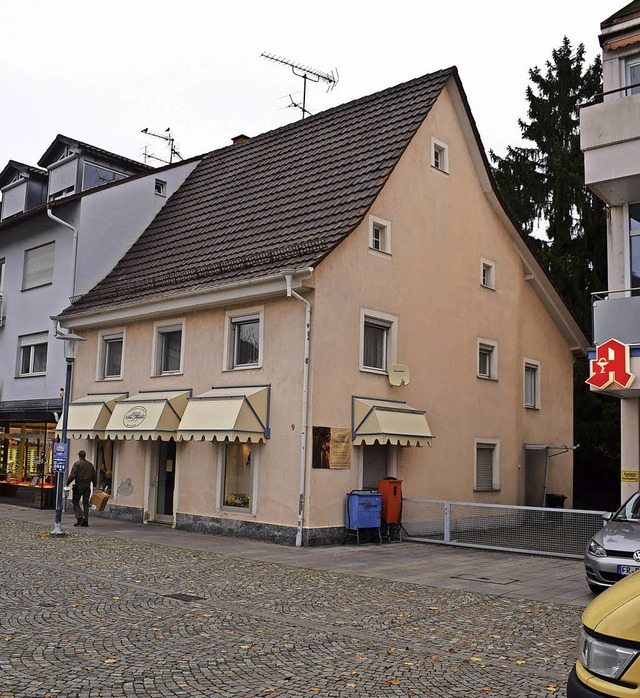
x=512 y=575
x=119 y=610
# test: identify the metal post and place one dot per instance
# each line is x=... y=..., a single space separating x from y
x=447 y=522
x=57 y=529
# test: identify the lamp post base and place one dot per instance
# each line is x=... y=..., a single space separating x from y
x=57 y=531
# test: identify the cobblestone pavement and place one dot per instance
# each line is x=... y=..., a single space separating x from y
x=87 y=616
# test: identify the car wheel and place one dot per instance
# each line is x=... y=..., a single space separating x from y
x=595 y=588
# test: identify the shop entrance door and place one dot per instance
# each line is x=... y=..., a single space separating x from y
x=374 y=466
x=165 y=482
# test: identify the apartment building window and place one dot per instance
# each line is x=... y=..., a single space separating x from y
x=96 y=176
x=377 y=341
x=632 y=74
x=111 y=355
x=1 y=277
x=487 y=359
x=531 y=385
x=238 y=472
x=488 y=273
x=168 y=349
x=486 y=467
x=379 y=235
x=439 y=155
x=32 y=354
x=634 y=244
x=244 y=340
x=38 y=266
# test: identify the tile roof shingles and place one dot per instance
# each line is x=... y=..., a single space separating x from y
x=283 y=199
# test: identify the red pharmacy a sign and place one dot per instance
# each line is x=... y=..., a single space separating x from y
x=611 y=365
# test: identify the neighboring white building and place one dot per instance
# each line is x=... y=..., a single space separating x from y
x=63 y=226
x=610 y=140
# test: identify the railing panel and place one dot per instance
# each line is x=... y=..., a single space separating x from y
x=533 y=530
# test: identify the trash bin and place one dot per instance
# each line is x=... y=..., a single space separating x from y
x=554 y=501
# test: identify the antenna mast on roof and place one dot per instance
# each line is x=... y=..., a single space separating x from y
x=305 y=73
x=166 y=136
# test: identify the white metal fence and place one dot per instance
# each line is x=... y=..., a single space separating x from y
x=533 y=530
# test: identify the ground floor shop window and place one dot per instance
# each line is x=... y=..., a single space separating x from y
x=104 y=465
x=237 y=476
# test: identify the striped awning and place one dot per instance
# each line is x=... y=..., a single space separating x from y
x=148 y=415
x=388 y=422
x=228 y=414
x=88 y=416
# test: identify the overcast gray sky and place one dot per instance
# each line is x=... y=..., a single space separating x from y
x=101 y=72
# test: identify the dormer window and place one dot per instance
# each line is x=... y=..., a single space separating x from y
x=96 y=176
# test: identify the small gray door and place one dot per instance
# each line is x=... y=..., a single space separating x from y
x=535 y=476
x=374 y=466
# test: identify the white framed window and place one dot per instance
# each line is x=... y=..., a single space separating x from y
x=238 y=477
x=160 y=187
x=487 y=359
x=379 y=235
x=487 y=273
x=32 y=354
x=168 y=348
x=439 y=155
x=487 y=465
x=632 y=74
x=244 y=333
x=531 y=384
x=378 y=340
x=38 y=266
x=110 y=355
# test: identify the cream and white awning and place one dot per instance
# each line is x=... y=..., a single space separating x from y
x=228 y=414
x=89 y=415
x=148 y=415
x=388 y=422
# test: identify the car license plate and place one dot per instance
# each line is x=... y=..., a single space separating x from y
x=627 y=569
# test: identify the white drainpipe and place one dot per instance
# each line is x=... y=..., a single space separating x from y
x=305 y=407
x=74 y=254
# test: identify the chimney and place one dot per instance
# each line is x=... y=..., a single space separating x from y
x=240 y=139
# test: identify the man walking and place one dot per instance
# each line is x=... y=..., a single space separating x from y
x=84 y=474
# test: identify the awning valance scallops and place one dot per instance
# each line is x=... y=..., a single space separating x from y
x=88 y=416
x=148 y=415
x=228 y=414
x=388 y=422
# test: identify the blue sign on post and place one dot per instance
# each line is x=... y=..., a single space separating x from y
x=60 y=456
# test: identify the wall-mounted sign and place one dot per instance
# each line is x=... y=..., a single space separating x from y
x=611 y=365
x=629 y=476
x=331 y=447
x=135 y=416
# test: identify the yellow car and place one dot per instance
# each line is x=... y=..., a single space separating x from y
x=609 y=645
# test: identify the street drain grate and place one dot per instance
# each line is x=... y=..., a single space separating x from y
x=485 y=580
x=184 y=597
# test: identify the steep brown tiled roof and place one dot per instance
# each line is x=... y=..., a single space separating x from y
x=280 y=200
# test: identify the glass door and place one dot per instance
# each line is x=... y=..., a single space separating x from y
x=165 y=481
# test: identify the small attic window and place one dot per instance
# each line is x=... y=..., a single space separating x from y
x=160 y=187
x=439 y=155
x=379 y=235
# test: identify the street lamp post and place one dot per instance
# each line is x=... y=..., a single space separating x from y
x=71 y=341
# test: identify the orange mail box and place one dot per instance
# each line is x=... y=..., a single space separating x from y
x=391 y=491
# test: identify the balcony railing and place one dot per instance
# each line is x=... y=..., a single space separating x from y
x=616 y=315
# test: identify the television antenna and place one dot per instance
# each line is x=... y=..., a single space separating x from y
x=306 y=73
x=166 y=136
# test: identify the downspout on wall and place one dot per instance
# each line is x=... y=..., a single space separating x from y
x=305 y=406
x=74 y=253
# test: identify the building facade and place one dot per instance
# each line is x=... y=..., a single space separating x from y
x=63 y=226
x=320 y=307
x=610 y=140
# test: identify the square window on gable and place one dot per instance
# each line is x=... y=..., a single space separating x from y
x=379 y=235
x=439 y=155
x=160 y=187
